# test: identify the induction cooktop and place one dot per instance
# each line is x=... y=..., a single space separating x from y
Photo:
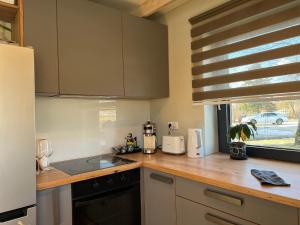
x=83 y=165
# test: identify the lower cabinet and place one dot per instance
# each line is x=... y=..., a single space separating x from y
x=191 y=213
x=171 y=200
x=253 y=209
x=54 y=206
x=159 y=198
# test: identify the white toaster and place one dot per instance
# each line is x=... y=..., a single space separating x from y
x=173 y=145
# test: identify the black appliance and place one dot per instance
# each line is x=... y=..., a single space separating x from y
x=84 y=165
x=108 y=200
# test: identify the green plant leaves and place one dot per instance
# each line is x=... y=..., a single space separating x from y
x=242 y=131
x=233 y=132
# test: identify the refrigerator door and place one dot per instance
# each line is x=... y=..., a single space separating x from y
x=29 y=218
x=17 y=131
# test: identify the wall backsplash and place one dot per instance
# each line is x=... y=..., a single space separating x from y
x=179 y=106
x=87 y=127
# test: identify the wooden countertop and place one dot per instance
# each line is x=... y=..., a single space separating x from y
x=217 y=170
x=54 y=177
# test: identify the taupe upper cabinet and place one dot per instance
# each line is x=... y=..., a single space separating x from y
x=90 y=49
x=40 y=31
x=145 y=52
x=84 y=48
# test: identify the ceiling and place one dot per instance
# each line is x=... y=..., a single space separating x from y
x=125 y=5
x=132 y=6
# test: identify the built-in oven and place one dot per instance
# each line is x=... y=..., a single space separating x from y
x=108 y=200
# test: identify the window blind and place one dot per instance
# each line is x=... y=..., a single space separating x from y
x=246 y=49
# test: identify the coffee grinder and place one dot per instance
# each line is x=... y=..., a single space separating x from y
x=149 y=138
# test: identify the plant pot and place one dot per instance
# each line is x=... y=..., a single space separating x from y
x=238 y=150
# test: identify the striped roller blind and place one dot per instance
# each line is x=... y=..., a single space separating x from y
x=246 y=49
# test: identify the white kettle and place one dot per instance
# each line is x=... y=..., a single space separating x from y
x=195 y=148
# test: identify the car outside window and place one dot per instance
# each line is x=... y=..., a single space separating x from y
x=280 y=128
x=278 y=134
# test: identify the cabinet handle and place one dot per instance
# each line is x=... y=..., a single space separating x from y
x=217 y=220
x=223 y=197
x=161 y=178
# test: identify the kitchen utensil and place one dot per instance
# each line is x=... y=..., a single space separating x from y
x=149 y=138
x=44 y=151
x=195 y=148
x=120 y=150
x=173 y=145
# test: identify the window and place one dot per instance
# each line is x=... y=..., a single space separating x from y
x=246 y=54
x=246 y=50
x=278 y=127
x=5 y=31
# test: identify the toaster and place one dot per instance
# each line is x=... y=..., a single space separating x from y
x=173 y=145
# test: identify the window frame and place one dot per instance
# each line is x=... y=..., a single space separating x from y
x=283 y=154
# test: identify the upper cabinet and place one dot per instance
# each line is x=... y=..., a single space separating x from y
x=90 y=49
x=40 y=32
x=84 y=48
x=145 y=52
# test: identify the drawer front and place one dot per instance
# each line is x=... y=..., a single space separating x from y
x=191 y=213
x=243 y=206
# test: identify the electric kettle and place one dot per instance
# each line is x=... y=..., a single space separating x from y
x=195 y=148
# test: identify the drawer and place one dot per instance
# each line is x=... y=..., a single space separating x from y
x=191 y=213
x=250 y=208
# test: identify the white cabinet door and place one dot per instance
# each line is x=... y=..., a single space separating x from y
x=159 y=190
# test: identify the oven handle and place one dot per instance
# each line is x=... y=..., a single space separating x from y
x=106 y=195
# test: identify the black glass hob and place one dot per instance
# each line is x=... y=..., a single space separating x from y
x=83 y=165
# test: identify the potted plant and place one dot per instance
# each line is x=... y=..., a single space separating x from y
x=239 y=134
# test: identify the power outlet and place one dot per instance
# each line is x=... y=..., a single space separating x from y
x=173 y=125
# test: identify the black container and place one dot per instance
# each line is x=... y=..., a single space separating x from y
x=238 y=150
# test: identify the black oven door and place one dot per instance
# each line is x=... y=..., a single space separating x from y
x=118 y=207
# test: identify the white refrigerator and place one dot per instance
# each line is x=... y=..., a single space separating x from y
x=17 y=136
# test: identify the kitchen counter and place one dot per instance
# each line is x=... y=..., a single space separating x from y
x=217 y=170
x=54 y=177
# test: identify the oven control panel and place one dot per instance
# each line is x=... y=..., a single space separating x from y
x=105 y=183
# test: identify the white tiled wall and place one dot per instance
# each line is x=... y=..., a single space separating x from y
x=179 y=106
x=85 y=127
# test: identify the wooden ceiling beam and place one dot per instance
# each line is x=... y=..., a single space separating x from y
x=150 y=6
